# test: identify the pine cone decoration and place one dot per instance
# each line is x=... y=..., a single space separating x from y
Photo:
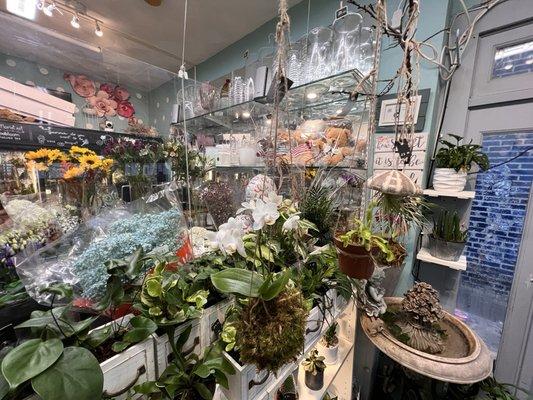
x=421 y=302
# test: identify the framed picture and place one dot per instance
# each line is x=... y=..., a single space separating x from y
x=389 y=108
x=386 y=110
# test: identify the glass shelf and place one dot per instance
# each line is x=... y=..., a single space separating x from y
x=327 y=95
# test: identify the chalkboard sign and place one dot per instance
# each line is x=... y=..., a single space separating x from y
x=17 y=136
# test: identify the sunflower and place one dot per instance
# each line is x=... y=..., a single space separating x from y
x=90 y=161
x=55 y=155
x=38 y=156
x=107 y=163
x=77 y=152
x=73 y=172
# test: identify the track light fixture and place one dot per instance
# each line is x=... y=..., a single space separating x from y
x=97 y=31
x=75 y=22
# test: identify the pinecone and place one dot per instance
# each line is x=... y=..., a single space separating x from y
x=422 y=304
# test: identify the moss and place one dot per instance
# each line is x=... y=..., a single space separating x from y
x=272 y=333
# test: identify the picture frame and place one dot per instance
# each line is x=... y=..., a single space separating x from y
x=388 y=111
x=390 y=101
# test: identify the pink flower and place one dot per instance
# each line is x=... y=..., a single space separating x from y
x=121 y=94
x=109 y=88
x=101 y=105
x=82 y=85
x=125 y=109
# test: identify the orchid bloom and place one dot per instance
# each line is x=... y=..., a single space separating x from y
x=229 y=238
x=264 y=214
x=291 y=223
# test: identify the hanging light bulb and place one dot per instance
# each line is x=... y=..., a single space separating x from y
x=98 y=32
x=75 y=22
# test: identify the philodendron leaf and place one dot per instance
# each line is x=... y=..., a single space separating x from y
x=75 y=376
x=141 y=328
x=61 y=290
x=4 y=385
x=135 y=264
x=30 y=359
x=236 y=280
x=268 y=292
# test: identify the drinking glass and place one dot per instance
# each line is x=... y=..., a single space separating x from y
x=346 y=39
x=319 y=53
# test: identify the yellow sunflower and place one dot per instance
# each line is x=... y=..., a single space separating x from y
x=107 y=163
x=90 y=161
x=73 y=172
x=77 y=152
x=38 y=156
x=55 y=155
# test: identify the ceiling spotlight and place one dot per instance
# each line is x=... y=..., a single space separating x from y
x=312 y=95
x=508 y=67
x=98 y=32
x=246 y=114
x=75 y=22
x=49 y=10
x=339 y=111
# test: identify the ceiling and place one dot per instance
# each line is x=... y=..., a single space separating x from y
x=136 y=36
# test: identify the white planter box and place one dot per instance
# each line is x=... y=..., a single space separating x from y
x=447 y=179
x=315 y=323
x=247 y=383
x=133 y=366
x=212 y=318
x=164 y=351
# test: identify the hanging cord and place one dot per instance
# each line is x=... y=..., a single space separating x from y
x=183 y=74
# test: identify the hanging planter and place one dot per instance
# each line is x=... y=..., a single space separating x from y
x=354 y=261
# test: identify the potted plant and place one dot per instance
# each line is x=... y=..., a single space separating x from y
x=314 y=367
x=448 y=239
x=454 y=161
x=355 y=248
x=330 y=344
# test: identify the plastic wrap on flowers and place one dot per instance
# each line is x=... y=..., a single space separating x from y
x=155 y=223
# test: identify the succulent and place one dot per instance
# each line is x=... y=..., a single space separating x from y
x=421 y=303
x=448 y=227
x=313 y=363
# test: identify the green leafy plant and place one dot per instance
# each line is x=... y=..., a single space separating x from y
x=461 y=156
x=168 y=298
x=397 y=214
x=317 y=207
x=362 y=235
x=495 y=390
x=314 y=363
x=448 y=227
x=190 y=377
x=330 y=338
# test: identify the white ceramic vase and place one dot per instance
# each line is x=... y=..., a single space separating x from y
x=449 y=180
x=330 y=354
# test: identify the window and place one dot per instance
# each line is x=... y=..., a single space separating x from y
x=513 y=60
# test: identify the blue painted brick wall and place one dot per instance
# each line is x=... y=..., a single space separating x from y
x=498 y=213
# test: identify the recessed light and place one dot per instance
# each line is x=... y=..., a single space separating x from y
x=339 y=111
x=246 y=114
x=508 y=67
x=312 y=95
x=529 y=62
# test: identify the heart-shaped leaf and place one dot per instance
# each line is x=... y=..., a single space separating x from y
x=30 y=359
x=75 y=376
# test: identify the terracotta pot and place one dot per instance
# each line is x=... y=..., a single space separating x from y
x=354 y=261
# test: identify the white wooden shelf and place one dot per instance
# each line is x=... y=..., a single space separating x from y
x=465 y=194
x=330 y=373
x=423 y=255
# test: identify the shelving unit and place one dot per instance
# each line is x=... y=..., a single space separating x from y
x=465 y=194
x=423 y=255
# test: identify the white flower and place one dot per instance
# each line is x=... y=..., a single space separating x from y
x=264 y=214
x=291 y=223
x=229 y=238
x=274 y=198
x=246 y=206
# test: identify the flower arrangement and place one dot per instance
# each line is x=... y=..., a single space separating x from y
x=218 y=198
x=175 y=150
x=125 y=151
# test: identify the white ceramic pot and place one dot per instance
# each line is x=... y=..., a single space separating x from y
x=330 y=354
x=447 y=179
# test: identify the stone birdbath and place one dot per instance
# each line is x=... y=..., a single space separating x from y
x=465 y=359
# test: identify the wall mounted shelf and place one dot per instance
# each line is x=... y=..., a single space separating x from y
x=423 y=255
x=465 y=194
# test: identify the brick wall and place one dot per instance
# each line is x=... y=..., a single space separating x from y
x=498 y=213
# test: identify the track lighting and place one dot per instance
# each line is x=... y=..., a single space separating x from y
x=75 y=22
x=49 y=10
x=98 y=32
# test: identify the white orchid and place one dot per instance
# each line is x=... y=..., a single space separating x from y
x=246 y=206
x=291 y=223
x=229 y=238
x=264 y=214
x=274 y=198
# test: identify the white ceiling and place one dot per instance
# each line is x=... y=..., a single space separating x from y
x=137 y=30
